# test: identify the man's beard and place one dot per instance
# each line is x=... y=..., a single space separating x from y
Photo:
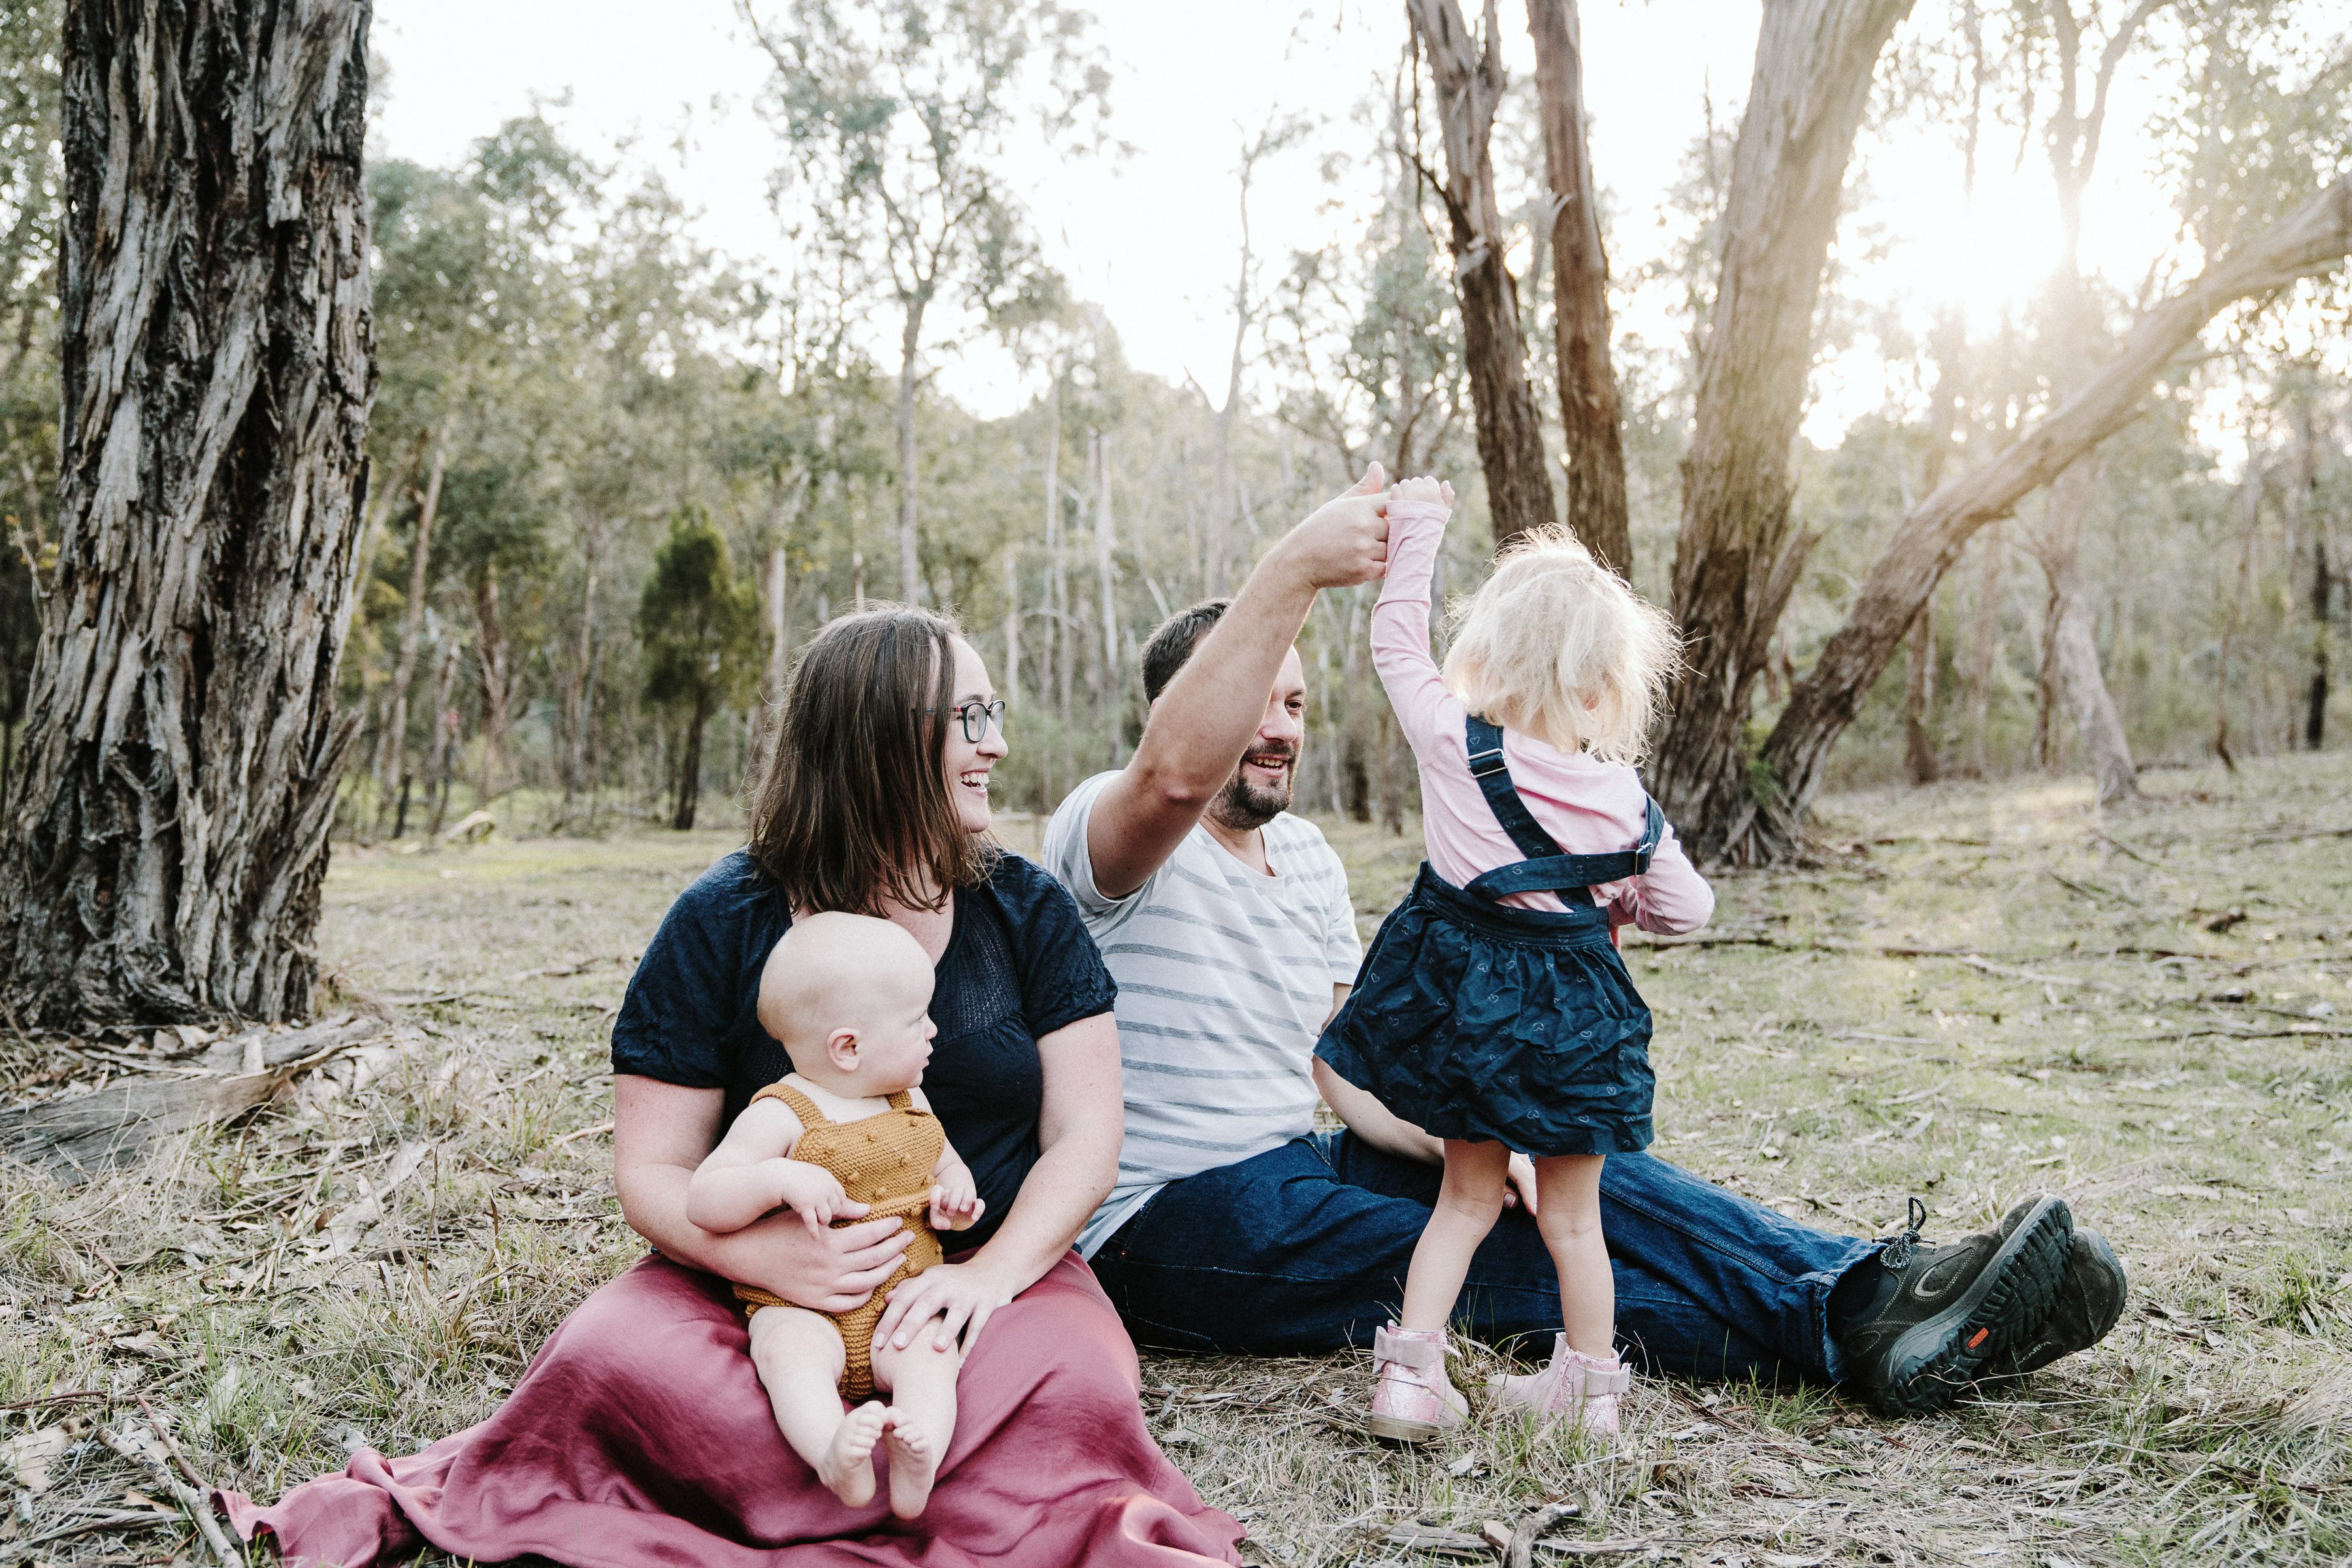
x=1243 y=806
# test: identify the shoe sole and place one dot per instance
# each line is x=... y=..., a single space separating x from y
x=2025 y=1360
x=1939 y=1356
x=1400 y=1429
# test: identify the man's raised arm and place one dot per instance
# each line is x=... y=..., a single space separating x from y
x=1204 y=721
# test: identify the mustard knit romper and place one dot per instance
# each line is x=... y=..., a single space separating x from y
x=884 y=1161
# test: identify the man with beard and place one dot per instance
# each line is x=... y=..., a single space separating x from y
x=1235 y=1226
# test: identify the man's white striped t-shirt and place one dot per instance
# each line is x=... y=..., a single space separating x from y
x=1224 y=979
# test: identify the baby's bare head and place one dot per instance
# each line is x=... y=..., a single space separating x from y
x=847 y=997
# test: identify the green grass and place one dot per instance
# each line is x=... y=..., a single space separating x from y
x=2085 y=1026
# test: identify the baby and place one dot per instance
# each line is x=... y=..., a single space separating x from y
x=849 y=999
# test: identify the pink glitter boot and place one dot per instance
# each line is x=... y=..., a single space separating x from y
x=1575 y=1387
x=1414 y=1400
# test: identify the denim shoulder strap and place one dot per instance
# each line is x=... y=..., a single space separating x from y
x=1544 y=869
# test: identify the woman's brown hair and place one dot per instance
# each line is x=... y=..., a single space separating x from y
x=853 y=807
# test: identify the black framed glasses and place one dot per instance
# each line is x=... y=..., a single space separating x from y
x=976 y=717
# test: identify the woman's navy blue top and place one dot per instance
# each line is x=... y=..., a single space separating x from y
x=1019 y=965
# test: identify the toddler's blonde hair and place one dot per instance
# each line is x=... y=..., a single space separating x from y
x=1556 y=645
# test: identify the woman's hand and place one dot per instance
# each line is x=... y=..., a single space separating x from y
x=829 y=1270
x=960 y=1297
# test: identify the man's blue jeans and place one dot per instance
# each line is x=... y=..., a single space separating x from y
x=1304 y=1249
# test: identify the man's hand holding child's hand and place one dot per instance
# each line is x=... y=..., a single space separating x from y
x=1426 y=489
x=955 y=1203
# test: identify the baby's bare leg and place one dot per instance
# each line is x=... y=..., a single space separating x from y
x=922 y=1384
x=800 y=1357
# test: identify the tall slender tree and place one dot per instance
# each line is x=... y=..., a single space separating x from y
x=168 y=838
x=1467 y=72
x=897 y=115
x=1589 y=417
x=1739 y=551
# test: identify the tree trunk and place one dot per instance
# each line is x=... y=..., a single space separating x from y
x=441 y=769
x=577 y=779
x=1106 y=571
x=1918 y=697
x=2323 y=587
x=2250 y=517
x=393 y=744
x=2075 y=656
x=689 y=767
x=1469 y=82
x=1013 y=621
x=181 y=751
x=1588 y=414
x=1984 y=647
x=2309 y=240
x=1738 y=556
x=910 y=339
x=494 y=666
x=2315 y=723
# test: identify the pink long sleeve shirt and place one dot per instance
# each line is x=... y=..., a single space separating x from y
x=1586 y=805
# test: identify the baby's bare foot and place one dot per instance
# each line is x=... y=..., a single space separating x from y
x=847 y=1465
x=914 y=1465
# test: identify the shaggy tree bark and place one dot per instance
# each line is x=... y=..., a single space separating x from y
x=2310 y=240
x=1469 y=81
x=1737 y=558
x=164 y=857
x=1588 y=413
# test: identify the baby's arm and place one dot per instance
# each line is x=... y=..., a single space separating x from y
x=1418 y=509
x=749 y=1175
x=956 y=1202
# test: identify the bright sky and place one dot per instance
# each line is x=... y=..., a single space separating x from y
x=1154 y=237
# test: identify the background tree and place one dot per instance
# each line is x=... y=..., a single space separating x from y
x=1739 y=552
x=1467 y=74
x=702 y=631
x=1589 y=416
x=897 y=114
x=168 y=835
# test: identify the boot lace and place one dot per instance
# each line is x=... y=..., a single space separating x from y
x=1899 y=1251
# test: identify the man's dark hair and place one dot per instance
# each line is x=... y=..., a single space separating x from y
x=1174 y=643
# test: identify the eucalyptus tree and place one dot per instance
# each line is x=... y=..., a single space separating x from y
x=167 y=839
x=899 y=118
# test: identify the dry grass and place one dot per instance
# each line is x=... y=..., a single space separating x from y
x=2189 y=1088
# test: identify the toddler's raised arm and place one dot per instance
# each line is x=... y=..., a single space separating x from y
x=1418 y=510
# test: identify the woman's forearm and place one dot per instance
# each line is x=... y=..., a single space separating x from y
x=1069 y=1182
x=1374 y=1122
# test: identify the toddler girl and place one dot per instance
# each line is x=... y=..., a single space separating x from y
x=1493 y=1009
x=849 y=999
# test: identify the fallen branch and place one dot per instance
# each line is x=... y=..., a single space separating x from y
x=113 y=1126
x=139 y=1520
x=196 y=1504
x=1521 y=1547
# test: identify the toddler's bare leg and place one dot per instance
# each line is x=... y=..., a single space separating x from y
x=1567 y=1214
x=1468 y=1202
x=800 y=1357
x=922 y=1384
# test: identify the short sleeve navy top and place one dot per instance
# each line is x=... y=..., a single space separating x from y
x=1019 y=965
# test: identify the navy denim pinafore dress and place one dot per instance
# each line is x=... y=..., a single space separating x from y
x=1480 y=1020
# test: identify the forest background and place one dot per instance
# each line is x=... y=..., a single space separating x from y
x=617 y=476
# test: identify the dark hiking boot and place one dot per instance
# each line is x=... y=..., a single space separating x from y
x=2090 y=1299
x=1940 y=1315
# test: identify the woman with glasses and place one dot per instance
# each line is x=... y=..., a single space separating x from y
x=641 y=1433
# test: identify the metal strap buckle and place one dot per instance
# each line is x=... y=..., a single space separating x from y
x=1486 y=762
